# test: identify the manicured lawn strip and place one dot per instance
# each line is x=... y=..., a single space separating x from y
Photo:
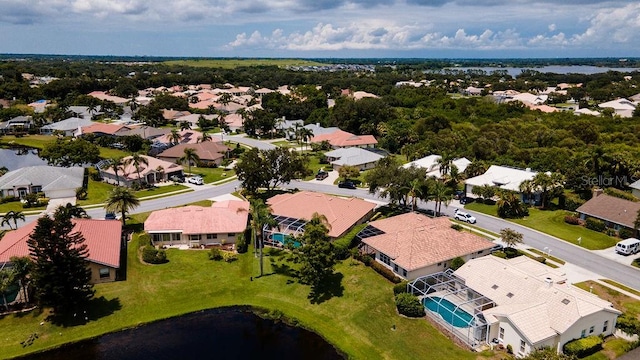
x=17 y=206
x=107 y=153
x=479 y=229
x=39 y=141
x=544 y=254
x=552 y=223
x=98 y=192
x=623 y=287
x=212 y=174
x=359 y=321
x=285 y=143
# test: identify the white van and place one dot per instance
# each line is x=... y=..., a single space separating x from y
x=628 y=247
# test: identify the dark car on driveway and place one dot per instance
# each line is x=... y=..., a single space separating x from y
x=321 y=175
x=178 y=179
x=346 y=184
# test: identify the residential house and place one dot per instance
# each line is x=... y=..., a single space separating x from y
x=193 y=119
x=18 y=123
x=55 y=182
x=502 y=177
x=211 y=153
x=101 y=95
x=102 y=129
x=616 y=213
x=196 y=226
x=363 y=159
x=172 y=115
x=413 y=245
x=85 y=112
x=145 y=132
x=431 y=164
x=288 y=127
x=292 y=211
x=342 y=139
x=516 y=302
x=154 y=171
x=68 y=127
x=187 y=136
x=635 y=188
x=621 y=107
x=103 y=239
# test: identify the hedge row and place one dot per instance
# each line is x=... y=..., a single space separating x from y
x=583 y=347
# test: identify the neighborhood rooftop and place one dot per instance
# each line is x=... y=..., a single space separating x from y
x=613 y=209
x=225 y=217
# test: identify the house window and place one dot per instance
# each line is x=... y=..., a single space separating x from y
x=522 y=346
x=404 y=273
x=194 y=237
x=439 y=263
x=104 y=273
x=480 y=252
x=583 y=333
x=395 y=267
x=212 y=236
x=385 y=259
x=605 y=326
x=231 y=234
x=591 y=329
x=501 y=334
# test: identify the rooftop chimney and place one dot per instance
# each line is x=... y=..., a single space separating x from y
x=597 y=192
x=548 y=281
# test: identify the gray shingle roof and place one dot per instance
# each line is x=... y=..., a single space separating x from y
x=71 y=123
x=49 y=177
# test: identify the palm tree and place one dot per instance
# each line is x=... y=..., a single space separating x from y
x=440 y=195
x=205 y=137
x=121 y=200
x=74 y=211
x=306 y=135
x=6 y=280
x=190 y=156
x=185 y=125
x=12 y=216
x=510 y=237
x=21 y=268
x=174 y=137
x=137 y=160
x=117 y=164
x=416 y=191
x=527 y=188
x=260 y=217
x=445 y=162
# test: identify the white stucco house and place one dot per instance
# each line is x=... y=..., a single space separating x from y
x=518 y=302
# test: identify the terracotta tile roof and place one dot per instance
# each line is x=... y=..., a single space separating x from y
x=208 y=150
x=102 y=237
x=110 y=129
x=340 y=138
x=104 y=96
x=200 y=220
x=415 y=241
x=613 y=209
x=341 y=213
x=171 y=114
x=537 y=299
x=131 y=173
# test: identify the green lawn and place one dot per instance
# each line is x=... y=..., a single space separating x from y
x=315 y=166
x=98 y=192
x=212 y=174
x=39 y=141
x=358 y=319
x=552 y=223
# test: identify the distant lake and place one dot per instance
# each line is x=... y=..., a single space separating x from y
x=11 y=160
x=210 y=334
x=558 y=69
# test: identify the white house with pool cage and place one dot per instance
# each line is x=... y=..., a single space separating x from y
x=518 y=302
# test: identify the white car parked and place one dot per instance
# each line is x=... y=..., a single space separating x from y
x=463 y=216
x=197 y=180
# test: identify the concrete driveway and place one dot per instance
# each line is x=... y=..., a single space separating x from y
x=333 y=176
x=610 y=253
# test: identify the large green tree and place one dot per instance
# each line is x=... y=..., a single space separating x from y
x=270 y=168
x=121 y=200
x=67 y=152
x=510 y=237
x=7 y=279
x=60 y=274
x=316 y=255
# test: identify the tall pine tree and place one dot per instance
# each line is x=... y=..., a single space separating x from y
x=60 y=274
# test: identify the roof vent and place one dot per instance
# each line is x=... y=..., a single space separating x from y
x=509 y=295
x=494 y=286
x=548 y=281
x=566 y=301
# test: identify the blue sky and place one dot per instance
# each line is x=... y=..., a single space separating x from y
x=322 y=28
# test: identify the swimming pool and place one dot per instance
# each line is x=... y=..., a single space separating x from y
x=284 y=239
x=447 y=310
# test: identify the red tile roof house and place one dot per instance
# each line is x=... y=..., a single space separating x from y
x=615 y=212
x=414 y=245
x=155 y=171
x=100 y=129
x=292 y=211
x=102 y=237
x=342 y=139
x=196 y=226
x=210 y=152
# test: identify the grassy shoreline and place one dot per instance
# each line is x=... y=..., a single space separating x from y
x=357 y=317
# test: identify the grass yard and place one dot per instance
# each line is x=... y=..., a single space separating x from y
x=39 y=141
x=212 y=174
x=358 y=318
x=229 y=63
x=552 y=223
x=17 y=206
x=98 y=192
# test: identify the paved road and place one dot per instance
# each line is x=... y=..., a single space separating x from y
x=261 y=145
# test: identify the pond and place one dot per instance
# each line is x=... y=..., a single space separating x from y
x=14 y=159
x=218 y=333
x=558 y=69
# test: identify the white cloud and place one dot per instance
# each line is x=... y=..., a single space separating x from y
x=552 y=27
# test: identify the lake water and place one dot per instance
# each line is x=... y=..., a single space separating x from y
x=12 y=160
x=558 y=69
x=210 y=334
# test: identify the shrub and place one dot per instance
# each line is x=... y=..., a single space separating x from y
x=509 y=349
x=242 y=242
x=400 y=287
x=625 y=233
x=384 y=271
x=229 y=256
x=572 y=202
x=628 y=323
x=151 y=255
x=457 y=227
x=620 y=194
x=215 y=254
x=8 y=199
x=94 y=174
x=500 y=254
x=583 y=347
x=409 y=305
x=144 y=239
x=456 y=263
x=611 y=232
x=595 y=225
x=511 y=252
x=540 y=259
x=573 y=220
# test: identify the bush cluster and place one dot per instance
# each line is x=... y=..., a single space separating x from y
x=229 y=256
x=8 y=199
x=384 y=271
x=628 y=323
x=583 y=347
x=573 y=220
x=215 y=254
x=595 y=224
x=400 y=287
x=409 y=305
x=242 y=241
x=625 y=233
x=151 y=255
x=572 y=202
x=611 y=191
x=457 y=227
